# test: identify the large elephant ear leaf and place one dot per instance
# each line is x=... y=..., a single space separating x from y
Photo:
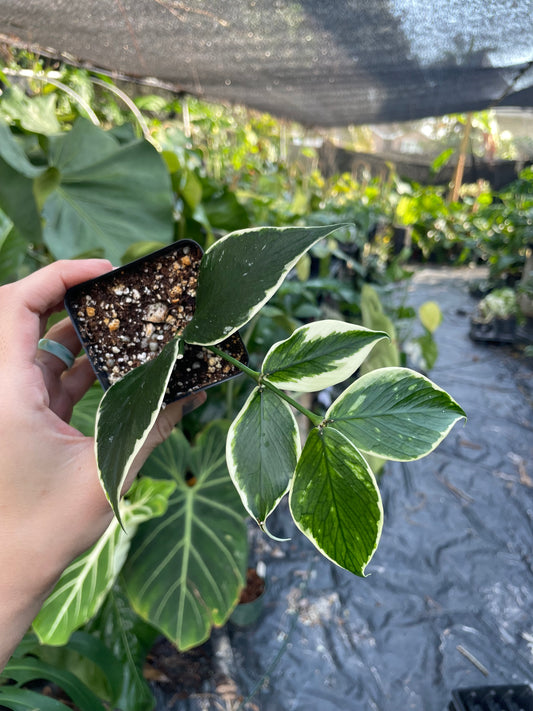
x=319 y=355
x=240 y=272
x=126 y=414
x=335 y=501
x=107 y=195
x=395 y=413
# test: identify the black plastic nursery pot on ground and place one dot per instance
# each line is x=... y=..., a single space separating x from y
x=493 y=698
x=125 y=318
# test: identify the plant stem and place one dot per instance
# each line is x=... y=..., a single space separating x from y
x=258 y=377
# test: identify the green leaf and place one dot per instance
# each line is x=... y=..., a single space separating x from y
x=93 y=649
x=319 y=355
x=126 y=415
x=16 y=186
x=12 y=254
x=109 y=195
x=386 y=353
x=83 y=586
x=394 y=413
x=130 y=639
x=84 y=413
x=263 y=447
x=29 y=669
x=334 y=500
x=240 y=273
x=37 y=115
x=441 y=160
x=430 y=315
x=22 y=699
x=429 y=350
x=13 y=154
x=186 y=569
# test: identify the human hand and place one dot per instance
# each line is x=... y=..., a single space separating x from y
x=52 y=507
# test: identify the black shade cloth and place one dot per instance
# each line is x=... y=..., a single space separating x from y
x=320 y=62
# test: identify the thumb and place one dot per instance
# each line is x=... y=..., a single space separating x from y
x=165 y=423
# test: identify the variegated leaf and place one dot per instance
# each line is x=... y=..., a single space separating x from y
x=262 y=449
x=395 y=413
x=125 y=417
x=335 y=501
x=240 y=272
x=85 y=583
x=319 y=355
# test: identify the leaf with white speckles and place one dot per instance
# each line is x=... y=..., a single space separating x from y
x=239 y=274
x=395 y=413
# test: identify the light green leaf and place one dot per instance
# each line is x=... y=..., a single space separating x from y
x=319 y=355
x=240 y=273
x=109 y=195
x=84 y=413
x=395 y=413
x=386 y=353
x=429 y=350
x=125 y=417
x=36 y=114
x=85 y=583
x=430 y=315
x=334 y=500
x=263 y=447
x=186 y=569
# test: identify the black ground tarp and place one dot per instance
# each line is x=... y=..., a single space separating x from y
x=449 y=599
x=325 y=63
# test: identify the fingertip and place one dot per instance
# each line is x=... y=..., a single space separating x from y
x=192 y=402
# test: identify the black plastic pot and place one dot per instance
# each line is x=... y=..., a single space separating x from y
x=493 y=698
x=252 y=598
x=125 y=317
x=497 y=330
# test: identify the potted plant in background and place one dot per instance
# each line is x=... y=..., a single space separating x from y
x=496 y=316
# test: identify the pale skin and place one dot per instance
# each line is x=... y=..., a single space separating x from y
x=52 y=506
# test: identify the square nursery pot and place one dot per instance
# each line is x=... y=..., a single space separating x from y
x=497 y=330
x=517 y=697
x=125 y=317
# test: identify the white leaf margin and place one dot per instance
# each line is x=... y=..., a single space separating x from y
x=342 y=368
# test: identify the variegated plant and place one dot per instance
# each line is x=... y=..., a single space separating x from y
x=391 y=413
x=178 y=562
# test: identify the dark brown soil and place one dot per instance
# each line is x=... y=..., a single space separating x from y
x=255 y=587
x=125 y=317
x=185 y=673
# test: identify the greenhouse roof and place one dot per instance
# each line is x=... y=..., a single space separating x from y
x=321 y=63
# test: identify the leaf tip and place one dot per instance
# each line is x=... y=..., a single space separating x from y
x=262 y=525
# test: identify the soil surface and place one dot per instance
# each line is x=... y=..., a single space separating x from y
x=125 y=318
